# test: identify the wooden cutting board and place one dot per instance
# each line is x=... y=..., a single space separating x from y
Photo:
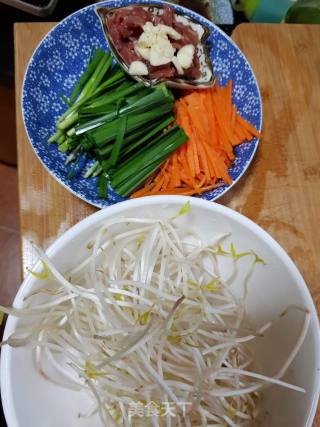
x=281 y=189
x=46 y=208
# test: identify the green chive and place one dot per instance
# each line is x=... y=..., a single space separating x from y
x=119 y=141
x=123 y=179
x=103 y=186
x=86 y=74
x=71 y=172
x=65 y=100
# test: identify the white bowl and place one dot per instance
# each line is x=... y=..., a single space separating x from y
x=31 y=401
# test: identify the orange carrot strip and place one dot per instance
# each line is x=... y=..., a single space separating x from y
x=159 y=184
x=166 y=180
x=178 y=191
x=233 y=116
x=210 y=153
x=211 y=119
x=195 y=155
x=185 y=122
x=186 y=175
x=197 y=115
x=165 y=164
x=240 y=133
x=248 y=126
x=213 y=127
x=140 y=193
x=176 y=171
x=226 y=131
x=204 y=162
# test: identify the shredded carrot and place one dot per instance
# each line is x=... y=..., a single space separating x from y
x=176 y=180
x=214 y=127
x=233 y=116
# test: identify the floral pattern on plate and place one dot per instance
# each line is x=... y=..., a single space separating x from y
x=60 y=59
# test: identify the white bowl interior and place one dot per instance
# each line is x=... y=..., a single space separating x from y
x=30 y=400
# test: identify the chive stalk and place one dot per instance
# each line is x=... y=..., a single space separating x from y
x=120 y=124
x=119 y=141
x=102 y=186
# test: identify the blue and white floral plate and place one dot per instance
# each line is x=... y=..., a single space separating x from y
x=60 y=59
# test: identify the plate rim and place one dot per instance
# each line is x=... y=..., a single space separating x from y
x=105 y=2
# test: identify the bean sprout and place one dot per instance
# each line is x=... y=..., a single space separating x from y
x=147 y=318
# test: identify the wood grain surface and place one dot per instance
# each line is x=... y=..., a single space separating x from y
x=281 y=189
x=46 y=208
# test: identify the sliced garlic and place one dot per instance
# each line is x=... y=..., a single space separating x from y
x=169 y=31
x=161 y=53
x=148 y=38
x=148 y=27
x=154 y=44
x=176 y=63
x=143 y=51
x=185 y=55
x=138 y=68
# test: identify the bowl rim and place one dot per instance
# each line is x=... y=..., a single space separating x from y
x=103 y=3
x=120 y=208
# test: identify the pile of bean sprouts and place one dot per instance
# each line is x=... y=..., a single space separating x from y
x=148 y=327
